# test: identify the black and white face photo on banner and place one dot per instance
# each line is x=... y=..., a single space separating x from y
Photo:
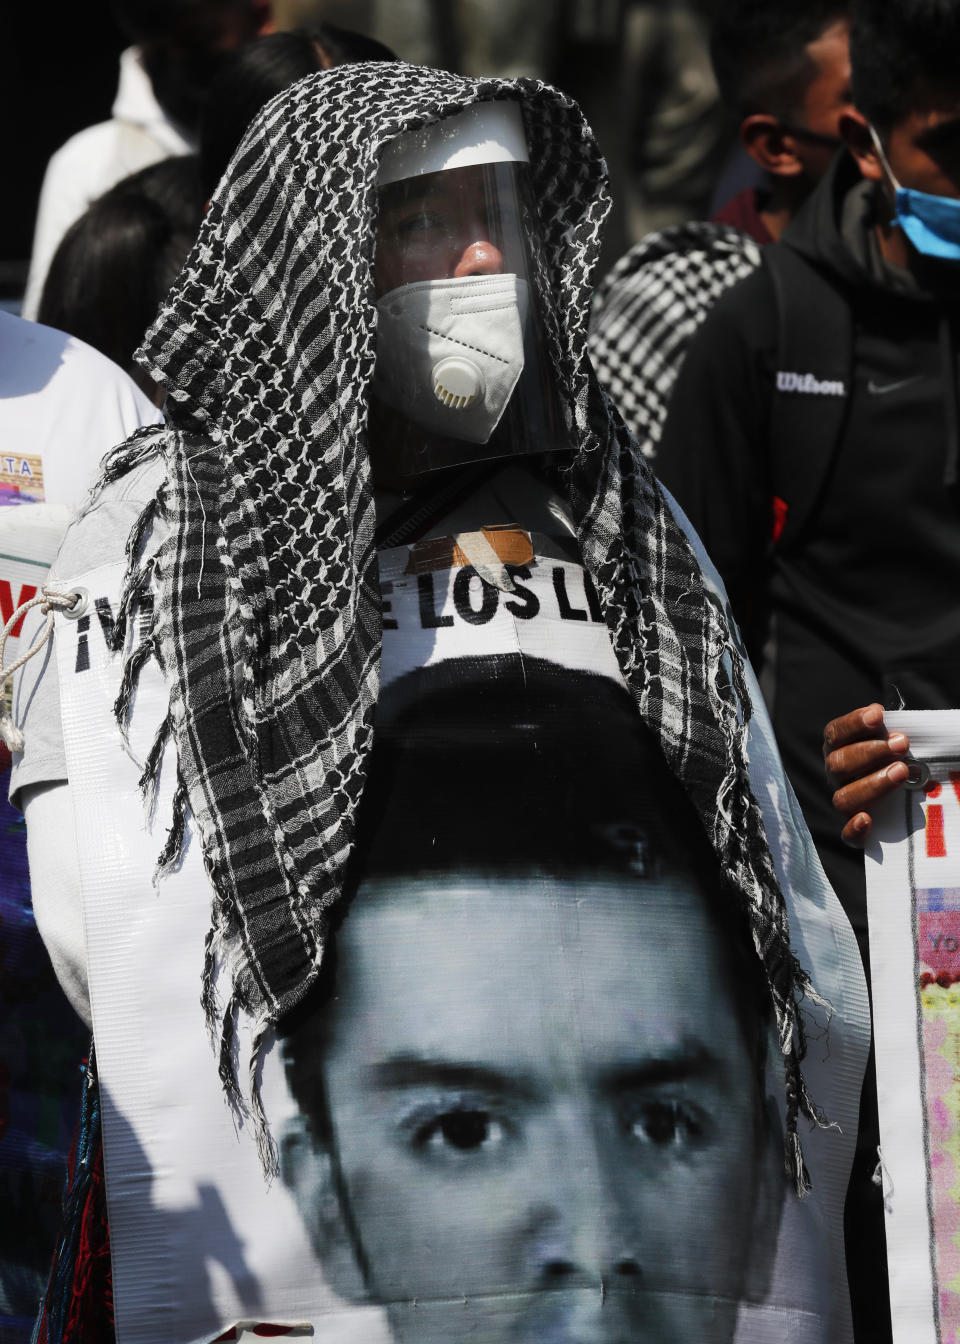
x=533 y=1084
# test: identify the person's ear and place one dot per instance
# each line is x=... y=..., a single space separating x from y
x=855 y=131
x=770 y=145
x=307 y=1170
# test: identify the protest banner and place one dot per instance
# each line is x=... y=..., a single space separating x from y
x=510 y=1045
x=913 y=892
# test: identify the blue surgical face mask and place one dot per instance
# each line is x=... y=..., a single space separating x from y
x=932 y=223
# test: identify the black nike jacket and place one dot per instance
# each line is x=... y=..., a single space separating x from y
x=864 y=602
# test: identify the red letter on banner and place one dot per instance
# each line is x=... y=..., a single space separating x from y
x=8 y=606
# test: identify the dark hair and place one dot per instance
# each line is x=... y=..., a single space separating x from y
x=249 y=77
x=117 y=261
x=552 y=770
x=895 y=47
x=344 y=46
x=489 y=766
x=757 y=50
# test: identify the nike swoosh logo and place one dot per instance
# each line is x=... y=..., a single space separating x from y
x=880 y=389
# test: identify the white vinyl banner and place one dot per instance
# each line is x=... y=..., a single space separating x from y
x=519 y=1072
x=913 y=895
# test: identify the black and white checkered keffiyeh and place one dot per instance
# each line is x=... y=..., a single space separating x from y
x=266 y=616
x=647 y=309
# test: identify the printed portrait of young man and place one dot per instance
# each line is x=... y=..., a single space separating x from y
x=532 y=1084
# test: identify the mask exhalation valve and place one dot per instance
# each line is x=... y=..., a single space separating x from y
x=457 y=382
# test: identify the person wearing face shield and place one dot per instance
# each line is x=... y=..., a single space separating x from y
x=461 y=370
x=389 y=485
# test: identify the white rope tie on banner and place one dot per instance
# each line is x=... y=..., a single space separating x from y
x=48 y=600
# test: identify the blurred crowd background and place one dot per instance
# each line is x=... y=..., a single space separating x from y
x=640 y=69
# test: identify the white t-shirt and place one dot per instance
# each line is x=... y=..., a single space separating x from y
x=63 y=405
x=138 y=134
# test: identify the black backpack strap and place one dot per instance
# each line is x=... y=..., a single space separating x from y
x=812 y=387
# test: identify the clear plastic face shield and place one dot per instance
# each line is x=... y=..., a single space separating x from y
x=462 y=372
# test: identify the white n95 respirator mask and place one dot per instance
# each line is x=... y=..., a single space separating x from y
x=450 y=352
x=462 y=369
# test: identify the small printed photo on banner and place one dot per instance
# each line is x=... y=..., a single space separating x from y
x=21 y=479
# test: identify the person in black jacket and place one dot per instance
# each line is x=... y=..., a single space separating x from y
x=784 y=74
x=812 y=439
x=855 y=600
